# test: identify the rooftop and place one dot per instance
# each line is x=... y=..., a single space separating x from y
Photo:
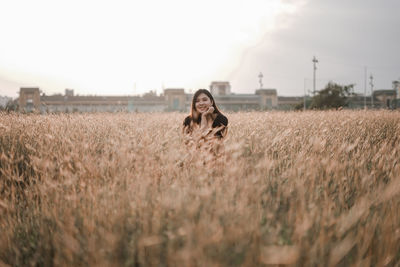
x=29 y=89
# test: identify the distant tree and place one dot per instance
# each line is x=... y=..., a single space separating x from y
x=12 y=105
x=332 y=96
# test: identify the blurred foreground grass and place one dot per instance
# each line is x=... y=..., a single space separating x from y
x=303 y=189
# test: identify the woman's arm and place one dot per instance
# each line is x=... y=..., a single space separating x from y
x=206 y=122
x=220 y=126
x=187 y=129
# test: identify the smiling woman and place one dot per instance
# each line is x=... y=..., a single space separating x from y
x=206 y=126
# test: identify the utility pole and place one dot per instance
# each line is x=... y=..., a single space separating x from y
x=396 y=87
x=260 y=76
x=371 y=83
x=315 y=61
x=365 y=87
x=304 y=108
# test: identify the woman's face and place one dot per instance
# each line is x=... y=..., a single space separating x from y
x=203 y=102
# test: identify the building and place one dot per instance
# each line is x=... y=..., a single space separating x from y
x=76 y=103
x=263 y=99
x=290 y=102
x=175 y=99
x=268 y=98
x=384 y=98
x=220 y=88
x=396 y=87
x=29 y=99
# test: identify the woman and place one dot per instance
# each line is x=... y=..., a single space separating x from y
x=206 y=126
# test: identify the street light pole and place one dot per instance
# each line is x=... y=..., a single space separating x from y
x=304 y=108
x=371 y=83
x=315 y=61
x=365 y=87
x=260 y=76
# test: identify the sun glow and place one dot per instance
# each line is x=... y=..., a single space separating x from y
x=112 y=47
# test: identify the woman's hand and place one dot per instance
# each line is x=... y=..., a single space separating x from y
x=205 y=125
x=210 y=110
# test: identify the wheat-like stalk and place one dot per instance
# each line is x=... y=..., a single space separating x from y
x=298 y=188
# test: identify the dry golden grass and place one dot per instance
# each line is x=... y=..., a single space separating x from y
x=303 y=189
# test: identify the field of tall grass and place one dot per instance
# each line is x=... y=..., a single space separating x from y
x=298 y=188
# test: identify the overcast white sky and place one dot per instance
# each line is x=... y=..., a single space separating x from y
x=130 y=47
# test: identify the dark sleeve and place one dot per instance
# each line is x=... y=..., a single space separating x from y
x=186 y=121
x=220 y=120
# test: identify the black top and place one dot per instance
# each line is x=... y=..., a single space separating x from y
x=220 y=120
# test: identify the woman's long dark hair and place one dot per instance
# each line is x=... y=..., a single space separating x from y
x=194 y=114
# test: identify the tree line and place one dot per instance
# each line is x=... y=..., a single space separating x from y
x=333 y=96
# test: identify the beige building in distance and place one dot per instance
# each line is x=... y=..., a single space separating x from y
x=175 y=99
x=29 y=99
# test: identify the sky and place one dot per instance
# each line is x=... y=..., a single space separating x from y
x=127 y=47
